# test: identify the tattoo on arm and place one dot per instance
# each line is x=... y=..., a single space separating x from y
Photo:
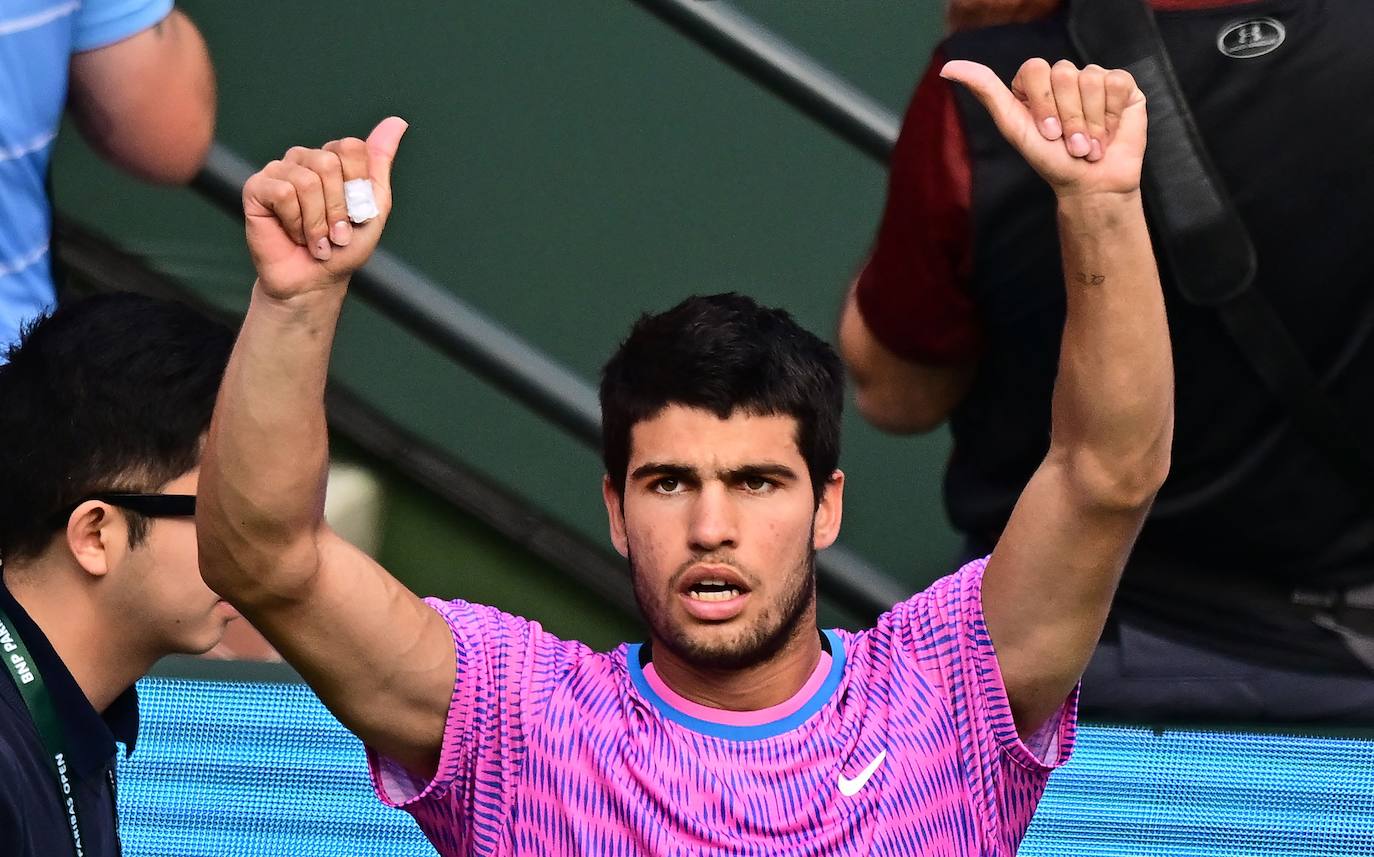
x=1090 y=279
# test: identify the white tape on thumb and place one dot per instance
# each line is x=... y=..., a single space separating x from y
x=362 y=205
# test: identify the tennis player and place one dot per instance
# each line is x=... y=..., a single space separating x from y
x=739 y=727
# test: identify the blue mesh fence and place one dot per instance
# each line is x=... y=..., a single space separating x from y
x=228 y=768
x=1135 y=791
x=262 y=769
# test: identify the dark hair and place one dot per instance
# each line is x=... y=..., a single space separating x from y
x=112 y=392
x=724 y=353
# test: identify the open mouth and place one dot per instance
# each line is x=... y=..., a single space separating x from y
x=713 y=589
x=713 y=593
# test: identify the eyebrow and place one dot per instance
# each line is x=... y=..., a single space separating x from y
x=681 y=471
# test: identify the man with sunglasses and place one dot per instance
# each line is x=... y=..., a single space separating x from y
x=104 y=406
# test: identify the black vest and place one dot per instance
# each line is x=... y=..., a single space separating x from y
x=1251 y=509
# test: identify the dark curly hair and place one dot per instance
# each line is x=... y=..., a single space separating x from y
x=724 y=353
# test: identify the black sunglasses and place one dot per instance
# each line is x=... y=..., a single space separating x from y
x=151 y=505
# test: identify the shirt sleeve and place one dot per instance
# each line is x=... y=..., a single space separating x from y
x=103 y=22
x=507 y=669
x=912 y=293
x=944 y=630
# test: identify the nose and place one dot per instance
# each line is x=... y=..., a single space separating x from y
x=713 y=523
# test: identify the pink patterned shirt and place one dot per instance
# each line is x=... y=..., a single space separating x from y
x=906 y=745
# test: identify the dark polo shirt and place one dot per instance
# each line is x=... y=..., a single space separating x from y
x=33 y=821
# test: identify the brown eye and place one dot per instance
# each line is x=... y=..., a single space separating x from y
x=667 y=486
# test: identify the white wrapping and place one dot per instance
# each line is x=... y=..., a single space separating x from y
x=362 y=205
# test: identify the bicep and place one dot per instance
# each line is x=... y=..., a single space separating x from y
x=1048 y=586
x=147 y=102
x=378 y=657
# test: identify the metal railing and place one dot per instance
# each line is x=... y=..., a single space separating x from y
x=519 y=369
x=770 y=61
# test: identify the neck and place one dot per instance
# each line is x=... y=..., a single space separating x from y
x=101 y=660
x=763 y=685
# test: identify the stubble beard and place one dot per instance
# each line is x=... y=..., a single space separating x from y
x=760 y=642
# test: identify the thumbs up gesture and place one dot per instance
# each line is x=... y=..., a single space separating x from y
x=1082 y=130
x=297 y=219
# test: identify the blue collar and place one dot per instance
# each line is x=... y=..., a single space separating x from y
x=742 y=733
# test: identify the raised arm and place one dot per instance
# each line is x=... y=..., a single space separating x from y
x=379 y=658
x=1051 y=578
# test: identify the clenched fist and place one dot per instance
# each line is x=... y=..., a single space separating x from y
x=299 y=234
x=1082 y=130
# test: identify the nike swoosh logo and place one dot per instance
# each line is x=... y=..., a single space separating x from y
x=849 y=787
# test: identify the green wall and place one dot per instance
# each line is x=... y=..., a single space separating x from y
x=440 y=551
x=569 y=165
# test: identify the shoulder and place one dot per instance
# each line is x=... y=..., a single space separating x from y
x=949 y=599
x=930 y=629
x=466 y=616
x=507 y=644
x=595 y=680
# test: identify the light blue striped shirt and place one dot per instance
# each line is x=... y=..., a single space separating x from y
x=37 y=39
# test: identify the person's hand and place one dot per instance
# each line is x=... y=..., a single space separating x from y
x=1083 y=130
x=971 y=14
x=299 y=234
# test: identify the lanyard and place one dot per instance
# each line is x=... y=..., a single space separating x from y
x=24 y=670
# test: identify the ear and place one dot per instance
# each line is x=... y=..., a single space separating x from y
x=826 y=527
x=615 y=513
x=96 y=537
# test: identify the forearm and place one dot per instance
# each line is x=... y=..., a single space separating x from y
x=1113 y=398
x=267 y=456
x=147 y=104
x=378 y=657
x=1050 y=582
